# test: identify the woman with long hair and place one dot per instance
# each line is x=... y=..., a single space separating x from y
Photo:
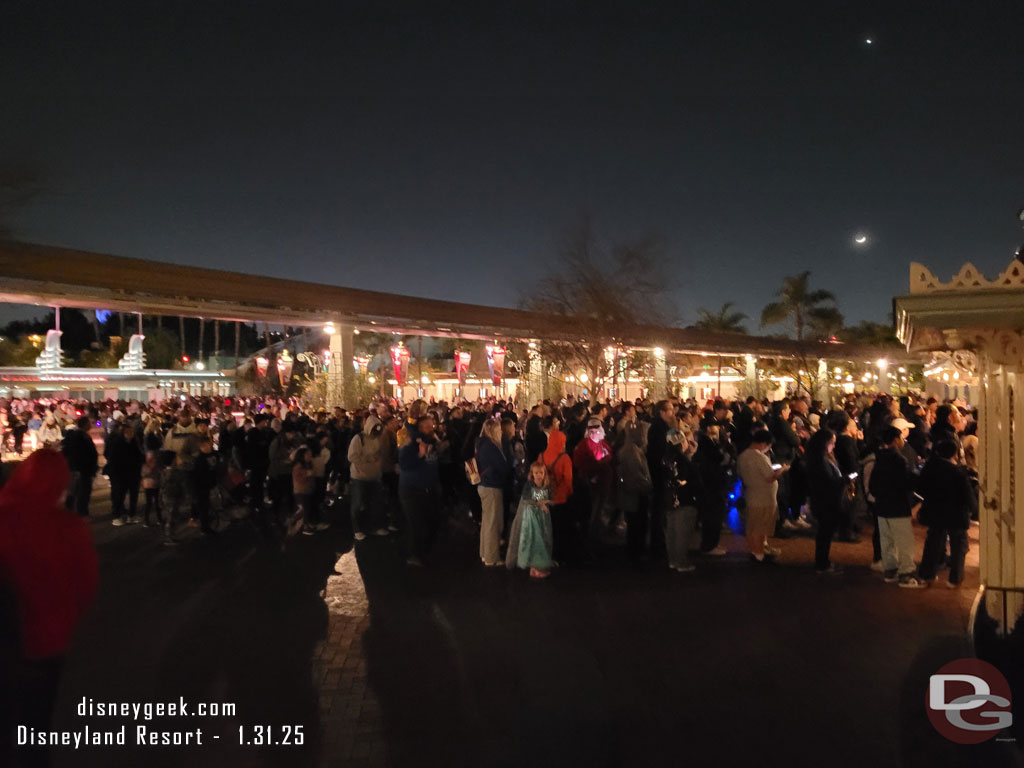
x=826 y=486
x=493 y=469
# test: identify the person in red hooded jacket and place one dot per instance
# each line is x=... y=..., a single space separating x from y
x=48 y=565
x=559 y=465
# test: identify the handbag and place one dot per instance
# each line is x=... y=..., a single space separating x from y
x=472 y=472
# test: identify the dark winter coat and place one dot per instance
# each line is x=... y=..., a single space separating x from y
x=891 y=484
x=949 y=497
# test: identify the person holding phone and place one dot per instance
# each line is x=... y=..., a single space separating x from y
x=827 y=486
x=760 y=490
x=847 y=453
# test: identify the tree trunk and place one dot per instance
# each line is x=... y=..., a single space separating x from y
x=216 y=337
x=181 y=326
x=238 y=340
x=202 y=326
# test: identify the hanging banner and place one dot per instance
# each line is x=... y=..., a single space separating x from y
x=284 y=367
x=461 y=366
x=400 y=360
x=496 y=363
x=261 y=365
x=362 y=363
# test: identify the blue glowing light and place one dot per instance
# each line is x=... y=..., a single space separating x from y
x=735 y=523
x=102 y=315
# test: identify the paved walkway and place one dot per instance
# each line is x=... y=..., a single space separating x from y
x=454 y=666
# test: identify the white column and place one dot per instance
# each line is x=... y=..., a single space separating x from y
x=661 y=383
x=341 y=378
x=824 y=394
x=750 y=374
x=537 y=375
x=883 y=375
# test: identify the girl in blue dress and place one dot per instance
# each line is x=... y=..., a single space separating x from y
x=529 y=541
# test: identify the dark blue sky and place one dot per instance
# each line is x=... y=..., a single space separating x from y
x=442 y=149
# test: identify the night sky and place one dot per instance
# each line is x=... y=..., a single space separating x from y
x=442 y=149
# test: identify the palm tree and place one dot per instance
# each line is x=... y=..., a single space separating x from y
x=722 y=321
x=808 y=310
x=802 y=306
x=869 y=333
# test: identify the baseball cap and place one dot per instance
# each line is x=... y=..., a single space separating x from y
x=901 y=424
x=594 y=423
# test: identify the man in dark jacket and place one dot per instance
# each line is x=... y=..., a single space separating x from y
x=786 y=450
x=204 y=479
x=124 y=468
x=575 y=427
x=419 y=489
x=713 y=466
x=536 y=439
x=892 y=486
x=948 y=502
x=847 y=453
x=80 y=453
x=257 y=459
x=657 y=446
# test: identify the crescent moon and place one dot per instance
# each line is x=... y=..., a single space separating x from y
x=860 y=239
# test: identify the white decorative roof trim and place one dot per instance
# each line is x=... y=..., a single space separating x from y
x=967 y=279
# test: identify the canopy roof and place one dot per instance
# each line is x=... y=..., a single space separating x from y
x=50 y=276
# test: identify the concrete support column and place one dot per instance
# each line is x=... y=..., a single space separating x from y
x=661 y=374
x=537 y=378
x=341 y=378
x=824 y=394
x=883 y=376
x=750 y=376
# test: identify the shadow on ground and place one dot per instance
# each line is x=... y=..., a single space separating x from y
x=456 y=665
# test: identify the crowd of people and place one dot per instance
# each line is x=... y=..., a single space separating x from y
x=554 y=484
x=558 y=484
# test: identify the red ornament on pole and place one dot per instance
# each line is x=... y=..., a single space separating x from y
x=400 y=360
x=461 y=366
x=496 y=363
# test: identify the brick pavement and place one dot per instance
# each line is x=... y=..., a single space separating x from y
x=451 y=665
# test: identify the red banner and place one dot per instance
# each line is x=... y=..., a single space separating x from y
x=400 y=360
x=461 y=366
x=496 y=363
x=284 y=367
